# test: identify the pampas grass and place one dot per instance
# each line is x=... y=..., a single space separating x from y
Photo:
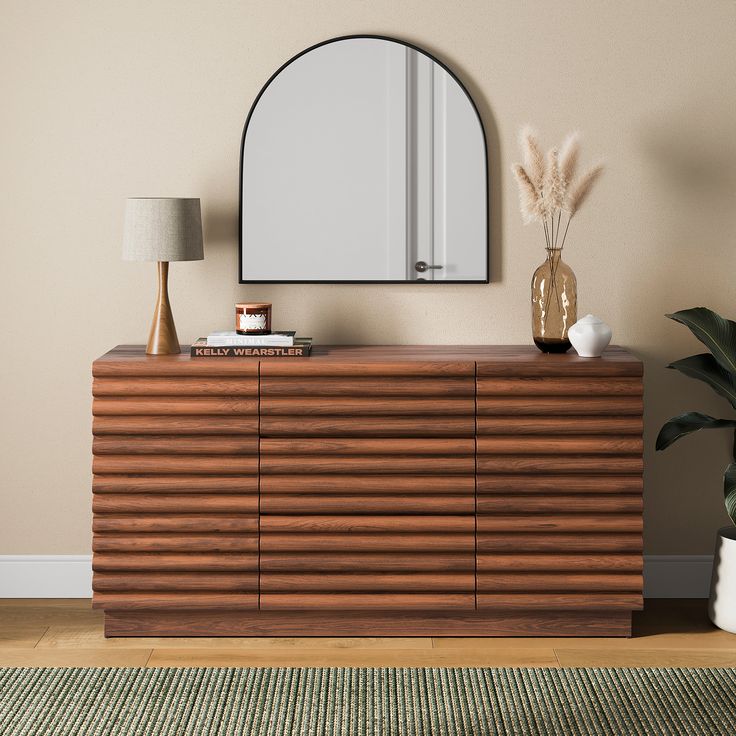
x=533 y=156
x=528 y=196
x=548 y=188
x=581 y=190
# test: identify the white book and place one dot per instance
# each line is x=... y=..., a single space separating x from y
x=231 y=338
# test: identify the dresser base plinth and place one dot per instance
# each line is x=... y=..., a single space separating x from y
x=352 y=623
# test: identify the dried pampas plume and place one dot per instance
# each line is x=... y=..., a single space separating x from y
x=553 y=190
x=581 y=190
x=569 y=154
x=533 y=156
x=547 y=188
x=528 y=197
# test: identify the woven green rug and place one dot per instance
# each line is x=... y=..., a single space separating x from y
x=367 y=702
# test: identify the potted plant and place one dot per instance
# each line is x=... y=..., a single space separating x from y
x=718 y=369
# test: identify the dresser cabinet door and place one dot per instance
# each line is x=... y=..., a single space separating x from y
x=559 y=487
x=367 y=487
x=175 y=485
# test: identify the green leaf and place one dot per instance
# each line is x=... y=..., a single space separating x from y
x=729 y=490
x=687 y=423
x=715 y=332
x=705 y=368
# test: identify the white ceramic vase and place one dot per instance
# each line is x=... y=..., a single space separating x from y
x=722 y=602
x=589 y=336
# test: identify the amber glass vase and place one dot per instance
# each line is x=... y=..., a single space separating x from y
x=554 y=303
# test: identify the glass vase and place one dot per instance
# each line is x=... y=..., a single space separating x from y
x=554 y=303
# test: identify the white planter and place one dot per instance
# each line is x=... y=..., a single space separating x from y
x=589 y=336
x=722 y=603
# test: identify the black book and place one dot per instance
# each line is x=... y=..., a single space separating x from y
x=300 y=349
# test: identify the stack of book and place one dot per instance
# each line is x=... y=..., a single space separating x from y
x=235 y=345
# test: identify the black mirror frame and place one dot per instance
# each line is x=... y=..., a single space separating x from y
x=241 y=280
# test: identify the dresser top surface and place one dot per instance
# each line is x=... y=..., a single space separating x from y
x=616 y=360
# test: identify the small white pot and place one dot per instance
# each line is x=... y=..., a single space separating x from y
x=589 y=336
x=722 y=603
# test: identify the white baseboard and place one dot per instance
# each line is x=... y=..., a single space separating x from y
x=70 y=576
x=45 y=576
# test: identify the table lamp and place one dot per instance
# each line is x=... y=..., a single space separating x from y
x=162 y=229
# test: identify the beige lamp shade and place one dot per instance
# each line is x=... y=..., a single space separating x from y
x=162 y=229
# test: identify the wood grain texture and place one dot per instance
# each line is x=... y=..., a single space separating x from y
x=367 y=406
x=149 y=484
x=147 y=542
x=366 y=426
x=177 y=523
x=550 y=601
x=408 y=582
x=336 y=542
x=574 y=445
x=544 y=582
x=158 y=386
x=356 y=481
x=559 y=405
x=562 y=484
x=559 y=386
x=375 y=361
x=348 y=561
x=560 y=523
x=183 y=464
x=368 y=601
x=178 y=601
x=175 y=581
x=138 y=503
x=512 y=623
x=548 y=562
x=169 y=562
x=369 y=484
x=553 y=504
x=367 y=524
x=559 y=542
x=175 y=445
x=173 y=406
x=556 y=425
x=400 y=386
x=582 y=464
x=175 y=425
x=365 y=464
x=360 y=446
x=359 y=504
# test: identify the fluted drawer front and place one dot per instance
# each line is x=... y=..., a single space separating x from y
x=339 y=542
x=175 y=489
x=510 y=562
x=552 y=426
x=175 y=581
x=559 y=461
x=366 y=426
x=574 y=386
x=189 y=562
x=367 y=562
x=157 y=386
x=367 y=494
x=370 y=386
x=560 y=405
x=373 y=485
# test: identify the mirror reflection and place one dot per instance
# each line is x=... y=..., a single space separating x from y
x=363 y=160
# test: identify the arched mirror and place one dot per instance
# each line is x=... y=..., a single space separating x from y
x=363 y=160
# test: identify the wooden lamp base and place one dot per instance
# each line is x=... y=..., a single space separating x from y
x=162 y=340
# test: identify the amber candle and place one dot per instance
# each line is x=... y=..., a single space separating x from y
x=253 y=318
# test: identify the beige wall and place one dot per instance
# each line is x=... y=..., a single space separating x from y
x=103 y=100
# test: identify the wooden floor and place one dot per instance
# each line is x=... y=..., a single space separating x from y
x=57 y=633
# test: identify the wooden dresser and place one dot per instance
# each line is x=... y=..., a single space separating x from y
x=404 y=490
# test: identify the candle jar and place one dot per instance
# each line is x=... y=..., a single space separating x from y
x=253 y=318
